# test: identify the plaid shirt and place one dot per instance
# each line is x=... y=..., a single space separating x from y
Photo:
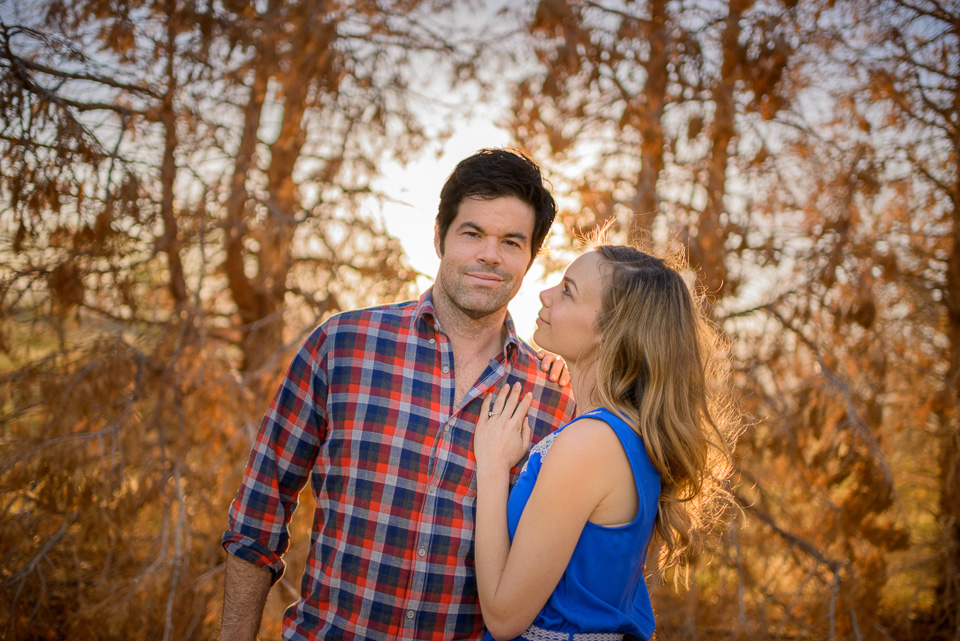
x=366 y=411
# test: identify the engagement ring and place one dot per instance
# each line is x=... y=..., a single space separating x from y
x=492 y=414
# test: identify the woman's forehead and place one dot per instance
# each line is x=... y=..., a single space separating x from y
x=587 y=264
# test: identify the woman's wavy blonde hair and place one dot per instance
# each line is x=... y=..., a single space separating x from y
x=659 y=365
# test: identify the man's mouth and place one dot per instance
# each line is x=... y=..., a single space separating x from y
x=486 y=277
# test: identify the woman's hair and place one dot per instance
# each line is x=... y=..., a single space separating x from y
x=659 y=367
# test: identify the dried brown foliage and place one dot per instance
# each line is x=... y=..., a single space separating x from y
x=118 y=457
x=185 y=190
x=805 y=153
x=806 y=156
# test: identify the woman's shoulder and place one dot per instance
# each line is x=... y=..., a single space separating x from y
x=601 y=423
x=585 y=441
x=587 y=465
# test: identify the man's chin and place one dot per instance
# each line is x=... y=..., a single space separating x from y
x=479 y=302
x=477 y=313
x=480 y=307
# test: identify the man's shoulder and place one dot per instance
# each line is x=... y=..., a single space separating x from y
x=528 y=363
x=382 y=320
x=378 y=317
x=549 y=397
x=526 y=349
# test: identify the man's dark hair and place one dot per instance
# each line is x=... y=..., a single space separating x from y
x=491 y=173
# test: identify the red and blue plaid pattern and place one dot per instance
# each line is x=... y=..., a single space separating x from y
x=366 y=412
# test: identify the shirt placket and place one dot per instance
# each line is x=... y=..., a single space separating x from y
x=422 y=573
x=421 y=566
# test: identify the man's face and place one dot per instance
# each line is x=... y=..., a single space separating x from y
x=485 y=254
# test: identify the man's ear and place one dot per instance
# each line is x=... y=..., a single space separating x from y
x=437 y=243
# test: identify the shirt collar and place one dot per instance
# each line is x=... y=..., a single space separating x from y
x=426 y=315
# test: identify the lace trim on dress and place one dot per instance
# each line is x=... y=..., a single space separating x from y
x=534 y=633
x=541 y=448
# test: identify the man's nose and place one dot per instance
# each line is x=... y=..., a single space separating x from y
x=490 y=250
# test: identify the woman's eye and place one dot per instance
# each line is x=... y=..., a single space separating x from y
x=566 y=290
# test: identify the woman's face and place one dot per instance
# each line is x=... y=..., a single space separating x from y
x=567 y=323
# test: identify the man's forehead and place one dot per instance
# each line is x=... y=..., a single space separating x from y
x=504 y=215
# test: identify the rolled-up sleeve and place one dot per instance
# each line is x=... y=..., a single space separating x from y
x=280 y=462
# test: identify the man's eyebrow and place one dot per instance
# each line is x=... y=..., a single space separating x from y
x=517 y=235
x=468 y=224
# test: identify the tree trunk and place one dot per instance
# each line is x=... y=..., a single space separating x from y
x=249 y=302
x=948 y=585
x=653 y=99
x=708 y=246
x=170 y=241
x=264 y=336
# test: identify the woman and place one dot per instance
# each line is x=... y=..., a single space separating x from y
x=561 y=556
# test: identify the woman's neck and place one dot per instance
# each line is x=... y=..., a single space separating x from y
x=583 y=383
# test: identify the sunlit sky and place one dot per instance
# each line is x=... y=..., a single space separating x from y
x=419 y=186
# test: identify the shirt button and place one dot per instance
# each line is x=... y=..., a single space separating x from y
x=409 y=614
x=445 y=369
x=421 y=551
x=433 y=341
x=433 y=489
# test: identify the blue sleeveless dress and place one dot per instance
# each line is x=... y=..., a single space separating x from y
x=603 y=588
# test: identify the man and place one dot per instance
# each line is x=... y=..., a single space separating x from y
x=378 y=410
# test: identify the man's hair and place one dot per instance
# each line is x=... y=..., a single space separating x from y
x=491 y=173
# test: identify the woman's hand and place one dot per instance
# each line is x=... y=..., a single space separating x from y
x=502 y=435
x=555 y=367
